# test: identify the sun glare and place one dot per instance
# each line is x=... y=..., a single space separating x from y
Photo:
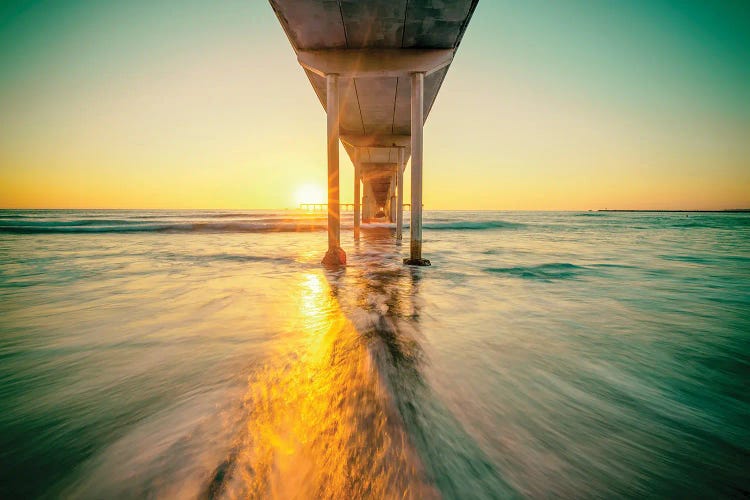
x=309 y=193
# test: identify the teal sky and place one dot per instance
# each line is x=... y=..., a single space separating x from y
x=548 y=105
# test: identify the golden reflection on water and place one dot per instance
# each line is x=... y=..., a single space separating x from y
x=320 y=422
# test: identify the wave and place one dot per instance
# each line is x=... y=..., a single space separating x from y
x=541 y=272
x=711 y=223
x=81 y=218
x=472 y=225
x=690 y=259
x=269 y=215
x=225 y=257
x=67 y=223
x=217 y=223
x=169 y=227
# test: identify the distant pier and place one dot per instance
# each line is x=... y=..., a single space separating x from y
x=323 y=207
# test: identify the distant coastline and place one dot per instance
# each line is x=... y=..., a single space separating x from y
x=727 y=211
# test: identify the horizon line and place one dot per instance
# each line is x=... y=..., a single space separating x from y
x=665 y=210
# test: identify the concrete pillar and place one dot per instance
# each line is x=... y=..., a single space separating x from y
x=392 y=200
x=365 y=201
x=335 y=255
x=400 y=195
x=417 y=126
x=374 y=208
x=356 y=194
x=368 y=205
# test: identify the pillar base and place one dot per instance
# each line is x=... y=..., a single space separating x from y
x=417 y=262
x=334 y=257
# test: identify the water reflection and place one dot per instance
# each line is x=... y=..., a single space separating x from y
x=319 y=423
x=390 y=296
x=347 y=413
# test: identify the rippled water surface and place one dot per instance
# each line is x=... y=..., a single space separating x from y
x=209 y=355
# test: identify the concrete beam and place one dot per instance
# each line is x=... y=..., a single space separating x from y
x=374 y=63
x=376 y=141
x=379 y=155
x=371 y=171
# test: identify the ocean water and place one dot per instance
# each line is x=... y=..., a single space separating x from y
x=208 y=354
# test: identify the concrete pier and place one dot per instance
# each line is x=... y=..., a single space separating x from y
x=382 y=62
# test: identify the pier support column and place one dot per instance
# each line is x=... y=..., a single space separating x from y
x=368 y=205
x=400 y=195
x=392 y=201
x=356 y=194
x=365 y=200
x=335 y=256
x=417 y=126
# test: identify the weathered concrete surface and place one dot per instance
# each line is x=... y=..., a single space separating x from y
x=375 y=106
x=358 y=24
x=374 y=63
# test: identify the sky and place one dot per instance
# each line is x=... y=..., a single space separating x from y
x=575 y=105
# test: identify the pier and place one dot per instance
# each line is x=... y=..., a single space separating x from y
x=376 y=67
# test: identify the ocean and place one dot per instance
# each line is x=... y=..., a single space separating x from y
x=208 y=354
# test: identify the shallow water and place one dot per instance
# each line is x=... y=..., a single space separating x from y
x=208 y=354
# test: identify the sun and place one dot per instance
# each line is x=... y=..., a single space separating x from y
x=309 y=193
